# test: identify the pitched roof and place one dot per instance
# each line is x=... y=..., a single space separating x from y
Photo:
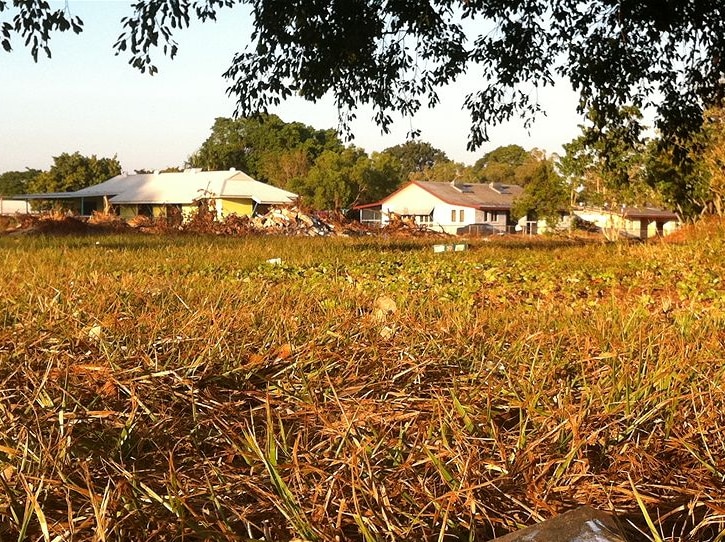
x=243 y=186
x=652 y=213
x=111 y=187
x=476 y=195
x=165 y=188
x=183 y=187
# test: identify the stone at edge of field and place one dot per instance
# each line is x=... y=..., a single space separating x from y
x=584 y=524
x=383 y=308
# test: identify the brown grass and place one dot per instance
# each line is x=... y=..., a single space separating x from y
x=158 y=388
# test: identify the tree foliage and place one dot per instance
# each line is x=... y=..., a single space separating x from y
x=416 y=156
x=545 y=195
x=341 y=179
x=16 y=182
x=71 y=172
x=265 y=147
x=311 y=162
x=445 y=172
x=711 y=157
x=500 y=164
x=681 y=182
x=607 y=162
x=614 y=165
x=394 y=55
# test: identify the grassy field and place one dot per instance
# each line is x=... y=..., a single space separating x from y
x=181 y=388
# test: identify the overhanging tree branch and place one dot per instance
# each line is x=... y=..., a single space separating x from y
x=394 y=55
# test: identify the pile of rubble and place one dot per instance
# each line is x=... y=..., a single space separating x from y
x=291 y=221
x=277 y=221
x=297 y=221
x=407 y=227
x=56 y=223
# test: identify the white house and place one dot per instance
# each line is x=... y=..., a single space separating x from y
x=158 y=194
x=637 y=222
x=11 y=207
x=448 y=207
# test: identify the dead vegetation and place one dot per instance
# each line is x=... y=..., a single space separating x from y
x=285 y=221
x=363 y=389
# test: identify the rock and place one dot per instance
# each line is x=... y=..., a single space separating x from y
x=383 y=308
x=584 y=524
x=95 y=333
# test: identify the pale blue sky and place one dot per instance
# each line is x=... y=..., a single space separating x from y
x=86 y=99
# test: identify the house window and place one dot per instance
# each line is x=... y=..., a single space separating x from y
x=453 y=215
x=146 y=209
x=423 y=219
x=461 y=215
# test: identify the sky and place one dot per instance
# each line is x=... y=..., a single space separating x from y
x=86 y=99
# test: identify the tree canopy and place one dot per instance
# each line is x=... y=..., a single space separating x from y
x=395 y=54
x=341 y=179
x=545 y=195
x=71 y=172
x=616 y=165
x=500 y=164
x=265 y=147
x=313 y=163
x=415 y=156
x=16 y=182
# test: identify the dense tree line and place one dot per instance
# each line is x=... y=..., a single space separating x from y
x=609 y=165
x=619 y=55
x=616 y=165
x=327 y=174
x=68 y=173
x=16 y=182
x=313 y=163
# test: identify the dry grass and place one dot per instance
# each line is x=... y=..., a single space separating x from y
x=156 y=388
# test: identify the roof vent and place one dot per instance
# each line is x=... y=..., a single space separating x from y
x=232 y=169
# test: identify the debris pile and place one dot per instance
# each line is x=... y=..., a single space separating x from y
x=407 y=227
x=293 y=220
x=63 y=224
x=277 y=221
x=298 y=221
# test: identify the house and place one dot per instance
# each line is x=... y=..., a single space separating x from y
x=11 y=207
x=636 y=222
x=161 y=194
x=457 y=208
x=536 y=226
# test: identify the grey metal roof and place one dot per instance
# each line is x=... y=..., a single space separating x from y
x=652 y=213
x=176 y=188
x=43 y=196
x=476 y=195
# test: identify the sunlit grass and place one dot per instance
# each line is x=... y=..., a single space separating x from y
x=159 y=387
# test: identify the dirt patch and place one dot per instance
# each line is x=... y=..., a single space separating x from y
x=54 y=224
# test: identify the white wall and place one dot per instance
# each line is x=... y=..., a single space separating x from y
x=413 y=198
x=607 y=220
x=10 y=207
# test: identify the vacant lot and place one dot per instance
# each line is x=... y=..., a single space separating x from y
x=169 y=388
